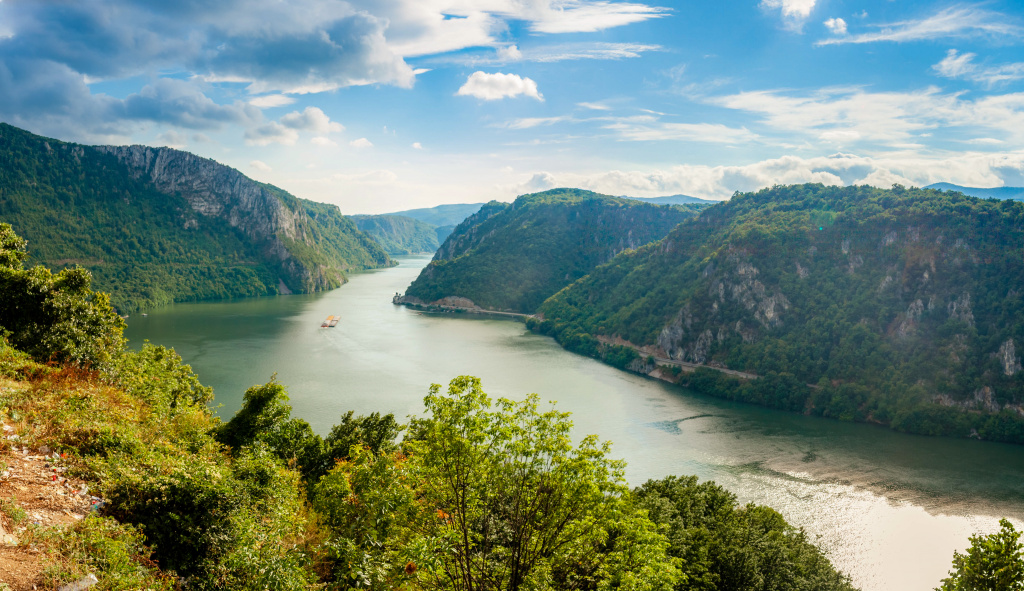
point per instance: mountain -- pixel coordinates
(899, 307)
(157, 225)
(442, 215)
(510, 257)
(672, 200)
(399, 234)
(1016, 193)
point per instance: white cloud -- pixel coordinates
(426, 27)
(800, 9)
(961, 65)
(719, 182)
(887, 118)
(417, 146)
(794, 12)
(594, 106)
(260, 166)
(509, 53)
(361, 143)
(836, 25)
(271, 133)
(172, 139)
(271, 100)
(530, 122)
(955, 21)
(311, 119)
(713, 133)
(323, 141)
(498, 86)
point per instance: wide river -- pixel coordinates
(888, 508)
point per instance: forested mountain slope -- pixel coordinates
(156, 225)
(511, 257)
(902, 306)
(399, 234)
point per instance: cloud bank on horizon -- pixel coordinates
(382, 105)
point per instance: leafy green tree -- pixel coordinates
(375, 431)
(722, 546)
(54, 317)
(520, 507)
(992, 563)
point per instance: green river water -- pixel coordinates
(889, 508)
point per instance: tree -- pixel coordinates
(54, 317)
(992, 563)
(520, 507)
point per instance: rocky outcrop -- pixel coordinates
(279, 223)
(960, 309)
(212, 189)
(680, 340)
(1007, 355)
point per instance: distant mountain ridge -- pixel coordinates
(672, 200)
(158, 225)
(399, 234)
(441, 215)
(510, 257)
(901, 307)
(1015, 193)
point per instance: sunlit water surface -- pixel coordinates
(888, 508)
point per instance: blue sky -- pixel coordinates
(383, 105)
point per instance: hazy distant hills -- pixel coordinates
(415, 230)
(672, 200)
(156, 225)
(399, 234)
(902, 307)
(1015, 193)
(442, 215)
(512, 256)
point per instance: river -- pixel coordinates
(888, 508)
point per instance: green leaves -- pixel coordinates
(993, 563)
(523, 507)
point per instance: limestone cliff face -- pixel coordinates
(282, 225)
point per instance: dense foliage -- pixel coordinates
(722, 546)
(54, 317)
(480, 494)
(901, 306)
(79, 206)
(399, 234)
(513, 256)
(993, 563)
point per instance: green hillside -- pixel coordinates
(901, 307)
(146, 244)
(513, 256)
(399, 234)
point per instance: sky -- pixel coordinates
(385, 105)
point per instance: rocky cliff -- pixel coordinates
(274, 219)
(156, 225)
(510, 257)
(900, 307)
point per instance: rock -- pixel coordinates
(81, 584)
(1007, 354)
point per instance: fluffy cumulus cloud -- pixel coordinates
(952, 22)
(794, 12)
(361, 143)
(836, 25)
(719, 182)
(491, 87)
(311, 119)
(50, 53)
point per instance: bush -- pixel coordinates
(54, 317)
